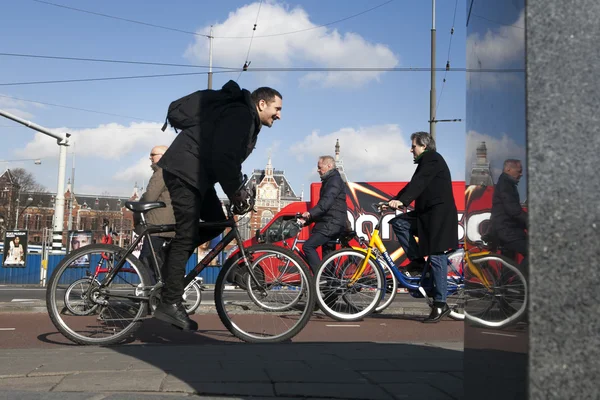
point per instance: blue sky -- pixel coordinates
(371, 113)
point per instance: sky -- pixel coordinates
(115, 123)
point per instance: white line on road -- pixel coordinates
(22, 289)
(23, 300)
(498, 334)
(7, 329)
(343, 326)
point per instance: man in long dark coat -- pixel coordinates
(434, 219)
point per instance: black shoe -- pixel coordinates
(414, 268)
(437, 313)
(176, 315)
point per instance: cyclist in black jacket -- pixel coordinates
(508, 221)
(330, 213)
(210, 152)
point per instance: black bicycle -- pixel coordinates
(120, 299)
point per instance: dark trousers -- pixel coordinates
(189, 207)
(310, 248)
(159, 245)
(517, 246)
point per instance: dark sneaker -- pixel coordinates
(437, 313)
(176, 315)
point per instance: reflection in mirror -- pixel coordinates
(495, 261)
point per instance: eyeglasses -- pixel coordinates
(155, 154)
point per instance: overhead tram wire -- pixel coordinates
(76, 108)
(104, 60)
(293, 69)
(107, 78)
(448, 58)
(247, 63)
(205, 35)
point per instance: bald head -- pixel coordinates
(156, 153)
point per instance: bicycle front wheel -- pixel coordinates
(85, 311)
(277, 301)
(391, 289)
(338, 278)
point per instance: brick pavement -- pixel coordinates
(357, 370)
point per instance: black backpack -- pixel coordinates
(187, 111)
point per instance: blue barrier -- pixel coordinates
(30, 274)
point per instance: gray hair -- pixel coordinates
(511, 163)
(424, 139)
(329, 160)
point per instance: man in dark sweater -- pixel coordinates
(205, 154)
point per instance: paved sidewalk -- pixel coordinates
(364, 370)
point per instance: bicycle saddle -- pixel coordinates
(145, 206)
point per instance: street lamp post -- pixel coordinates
(59, 206)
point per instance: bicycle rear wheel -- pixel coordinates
(192, 297)
(498, 296)
(113, 312)
(274, 307)
(334, 281)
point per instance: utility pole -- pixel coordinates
(59, 204)
(432, 96)
(71, 202)
(210, 46)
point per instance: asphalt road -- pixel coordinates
(27, 294)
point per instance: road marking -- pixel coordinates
(23, 300)
(4, 289)
(498, 334)
(343, 326)
(7, 329)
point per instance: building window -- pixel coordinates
(38, 222)
(265, 217)
(26, 219)
(49, 221)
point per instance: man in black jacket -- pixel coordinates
(434, 219)
(508, 221)
(330, 213)
(201, 156)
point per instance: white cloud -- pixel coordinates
(110, 141)
(498, 150)
(320, 46)
(374, 153)
(502, 48)
(18, 107)
(140, 172)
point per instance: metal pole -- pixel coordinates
(59, 205)
(17, 209)
(210, 49)
(432, 92)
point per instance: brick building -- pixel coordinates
(82, 212)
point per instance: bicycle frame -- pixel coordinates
(233, 234)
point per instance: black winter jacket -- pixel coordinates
(330, 213)
(508, 220)
(214, 150)
(431, 189)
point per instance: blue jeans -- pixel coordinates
(405, 228)
(439, 271)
